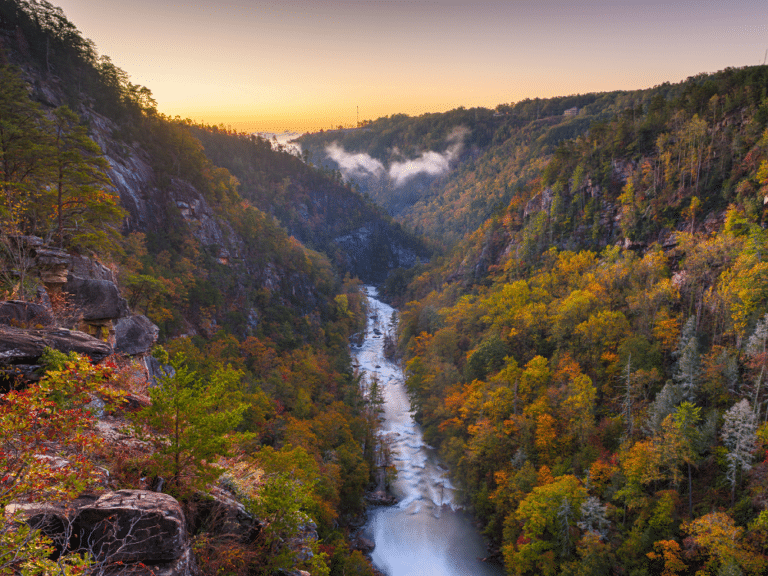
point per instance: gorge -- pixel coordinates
(426, 532)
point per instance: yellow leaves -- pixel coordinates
(724, 543)
(668, 551)
(744, 289)
(666, 329)
(640, 463)
(535, 378)
(580, 404)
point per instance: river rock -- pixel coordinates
(365, 545)
(380, 498)
(135, 335)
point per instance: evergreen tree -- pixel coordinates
(195, 420)
(688, 369)
(594, 517)
(82, 203)
(25, 150)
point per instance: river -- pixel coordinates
(426, 533)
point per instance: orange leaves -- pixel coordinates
(668, 552)
(666, 329)
(717, 535)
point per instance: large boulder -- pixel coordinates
(133, 526)
(135, 335)
(96, 299)
(224, 515)
(82, 267)
(128, 531)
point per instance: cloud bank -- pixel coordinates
(430, 163)
(354, 165)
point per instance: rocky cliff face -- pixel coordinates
(79, 309)
(372, 250)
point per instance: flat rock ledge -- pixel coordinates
(20, 346)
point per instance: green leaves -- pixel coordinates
(52, 175)
(190, 424)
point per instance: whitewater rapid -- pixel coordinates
(426, 533)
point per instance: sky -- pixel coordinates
(302, 65)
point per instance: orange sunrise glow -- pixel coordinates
(303, 66)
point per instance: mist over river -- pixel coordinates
(426, 533)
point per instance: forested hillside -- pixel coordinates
(314, 206)
(445, 174)
(254, 324)
(591, 360)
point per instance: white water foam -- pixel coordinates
(426, 533)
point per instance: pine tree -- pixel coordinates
(663, 405)
(81, 201)
(193, 421)
(688, 369)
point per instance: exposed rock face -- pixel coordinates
(135, 335)
(24, 314)
(134, 526)
(132, 531)
(228, 517)
(82, 267)
(96, 299)
(19, 346)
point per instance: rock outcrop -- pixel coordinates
(25, 314)
(128, 531)
(19, 346)
(96, 300)
(135, 335)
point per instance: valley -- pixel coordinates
(575, 382)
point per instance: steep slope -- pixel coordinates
(255, 324)
(445, 174)
(314, 206)
(590, 360)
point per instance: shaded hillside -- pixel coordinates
(314, 206)
(259, 402)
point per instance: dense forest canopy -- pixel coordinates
(254, 324)
(588, 352)
(590, 360)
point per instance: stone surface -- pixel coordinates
(96, 299)
(128, 531)
(82, 267)
(226, 516)
(18, 346)
(24, 314)
(134, 526)
(135, 335)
